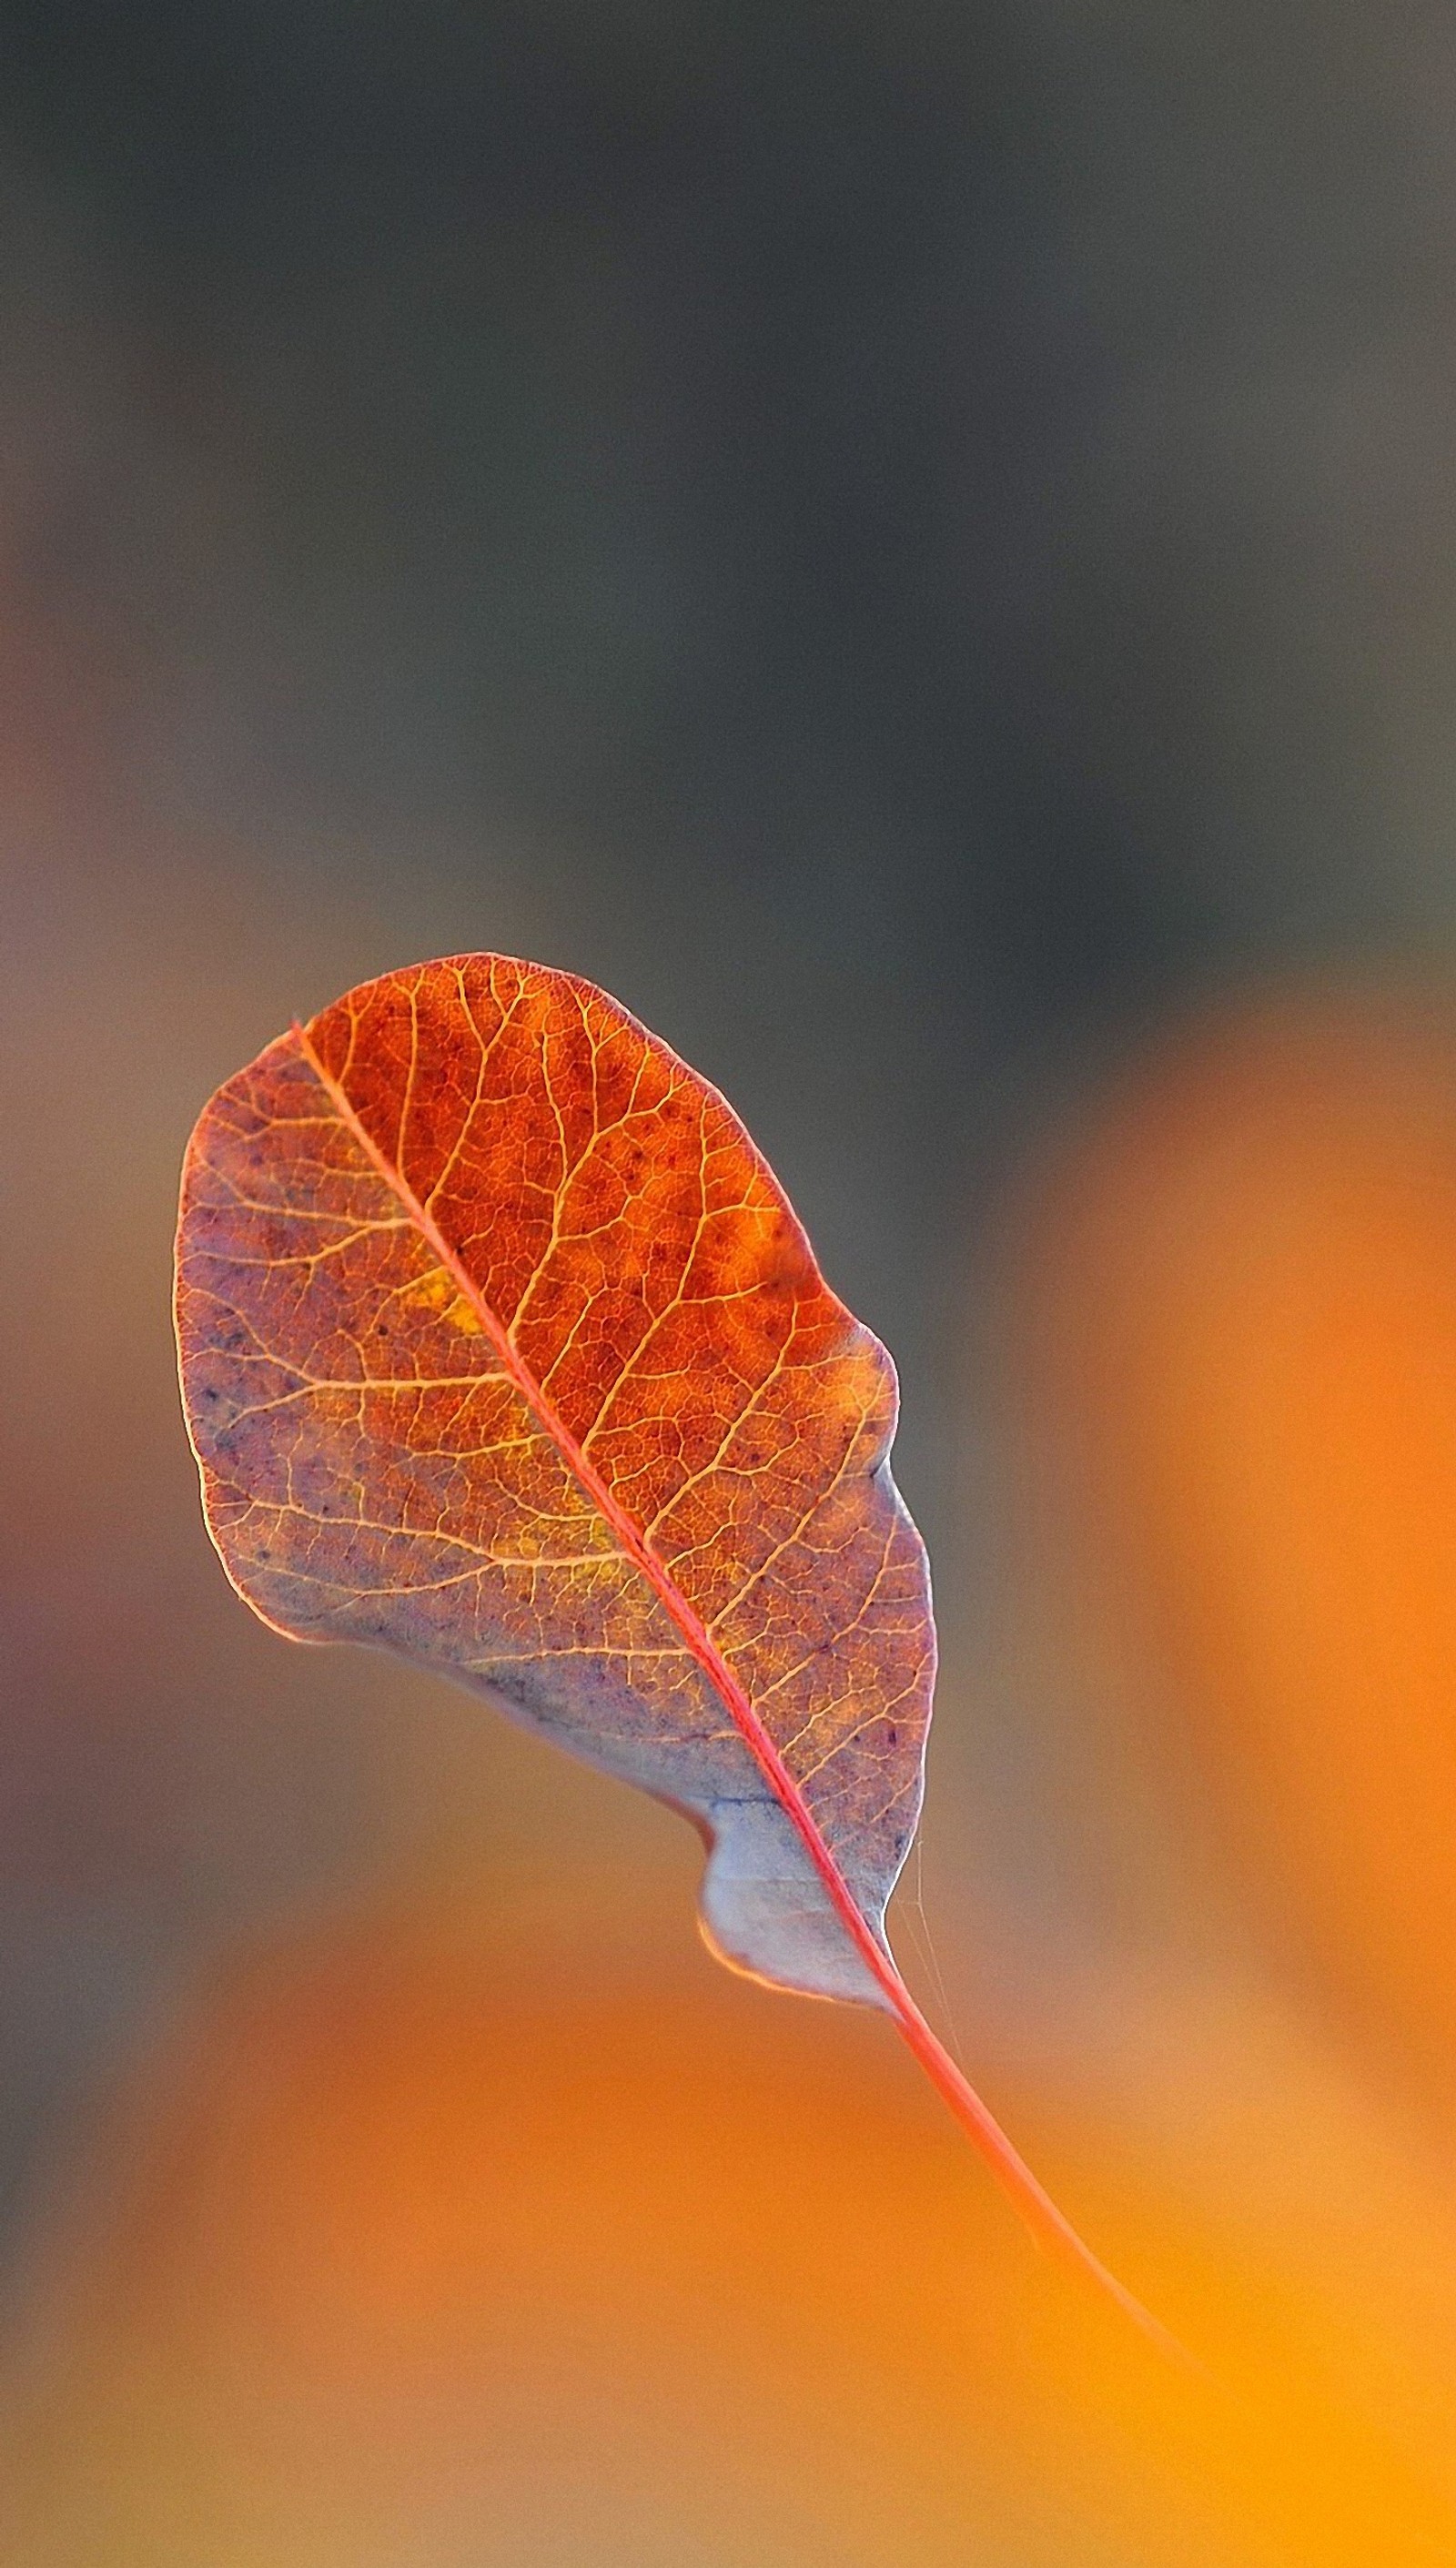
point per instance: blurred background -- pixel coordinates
(917, 544)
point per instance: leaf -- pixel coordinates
(503, 1349)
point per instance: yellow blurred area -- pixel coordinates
(420, 2252)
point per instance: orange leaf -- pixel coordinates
(503, 1349)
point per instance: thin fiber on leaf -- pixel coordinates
(503, 1349)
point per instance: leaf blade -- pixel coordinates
(741, 1407)
(658, 1468)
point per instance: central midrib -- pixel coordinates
(729, 1688)
(1046, 2222)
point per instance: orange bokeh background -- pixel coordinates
(1249, 1343)
(913, 545)
(480, 2215)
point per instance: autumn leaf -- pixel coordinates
(502, 1348)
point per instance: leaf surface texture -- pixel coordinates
(503, 1349)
